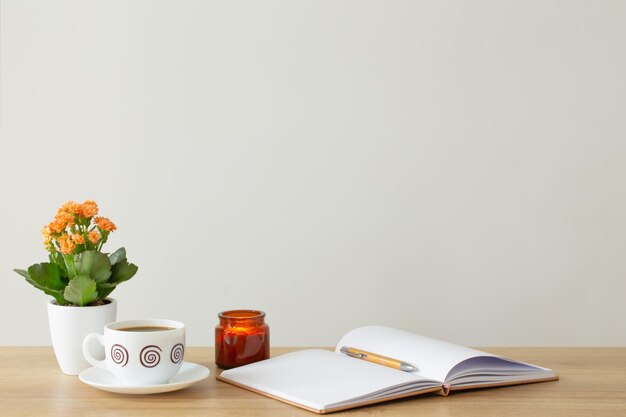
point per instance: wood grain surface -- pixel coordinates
(592, 383)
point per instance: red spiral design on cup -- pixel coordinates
(149, 356)
(119, 355)
(176, 355)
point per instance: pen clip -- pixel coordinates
(347, 351)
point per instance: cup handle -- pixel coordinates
(95, 362)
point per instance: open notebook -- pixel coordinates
(324, 381)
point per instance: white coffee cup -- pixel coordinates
(140, 352)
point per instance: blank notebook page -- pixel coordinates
(320, 378)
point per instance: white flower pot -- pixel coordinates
(69, 325)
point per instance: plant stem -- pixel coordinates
(71, 259)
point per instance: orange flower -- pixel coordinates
(71, 207)
(56, 226)
(78, 239)
(105, 224)
(66, 244)
(88, 209)
(94, 236)
(47, 235)
(65, 219)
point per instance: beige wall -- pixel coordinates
(452, 168)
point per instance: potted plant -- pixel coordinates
(80, 277)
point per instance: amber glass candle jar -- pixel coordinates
(241, 337)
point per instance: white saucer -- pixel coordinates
(189, 374)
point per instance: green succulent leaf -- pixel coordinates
(94, 264)
(47, 275)
(105, 288)
(81, 291)
(123, 271)
(57, 294)
(22, 272)
(117, 256)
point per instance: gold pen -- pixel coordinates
(379, 359)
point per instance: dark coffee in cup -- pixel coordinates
(146, 329)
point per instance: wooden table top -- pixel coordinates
(593, 383)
